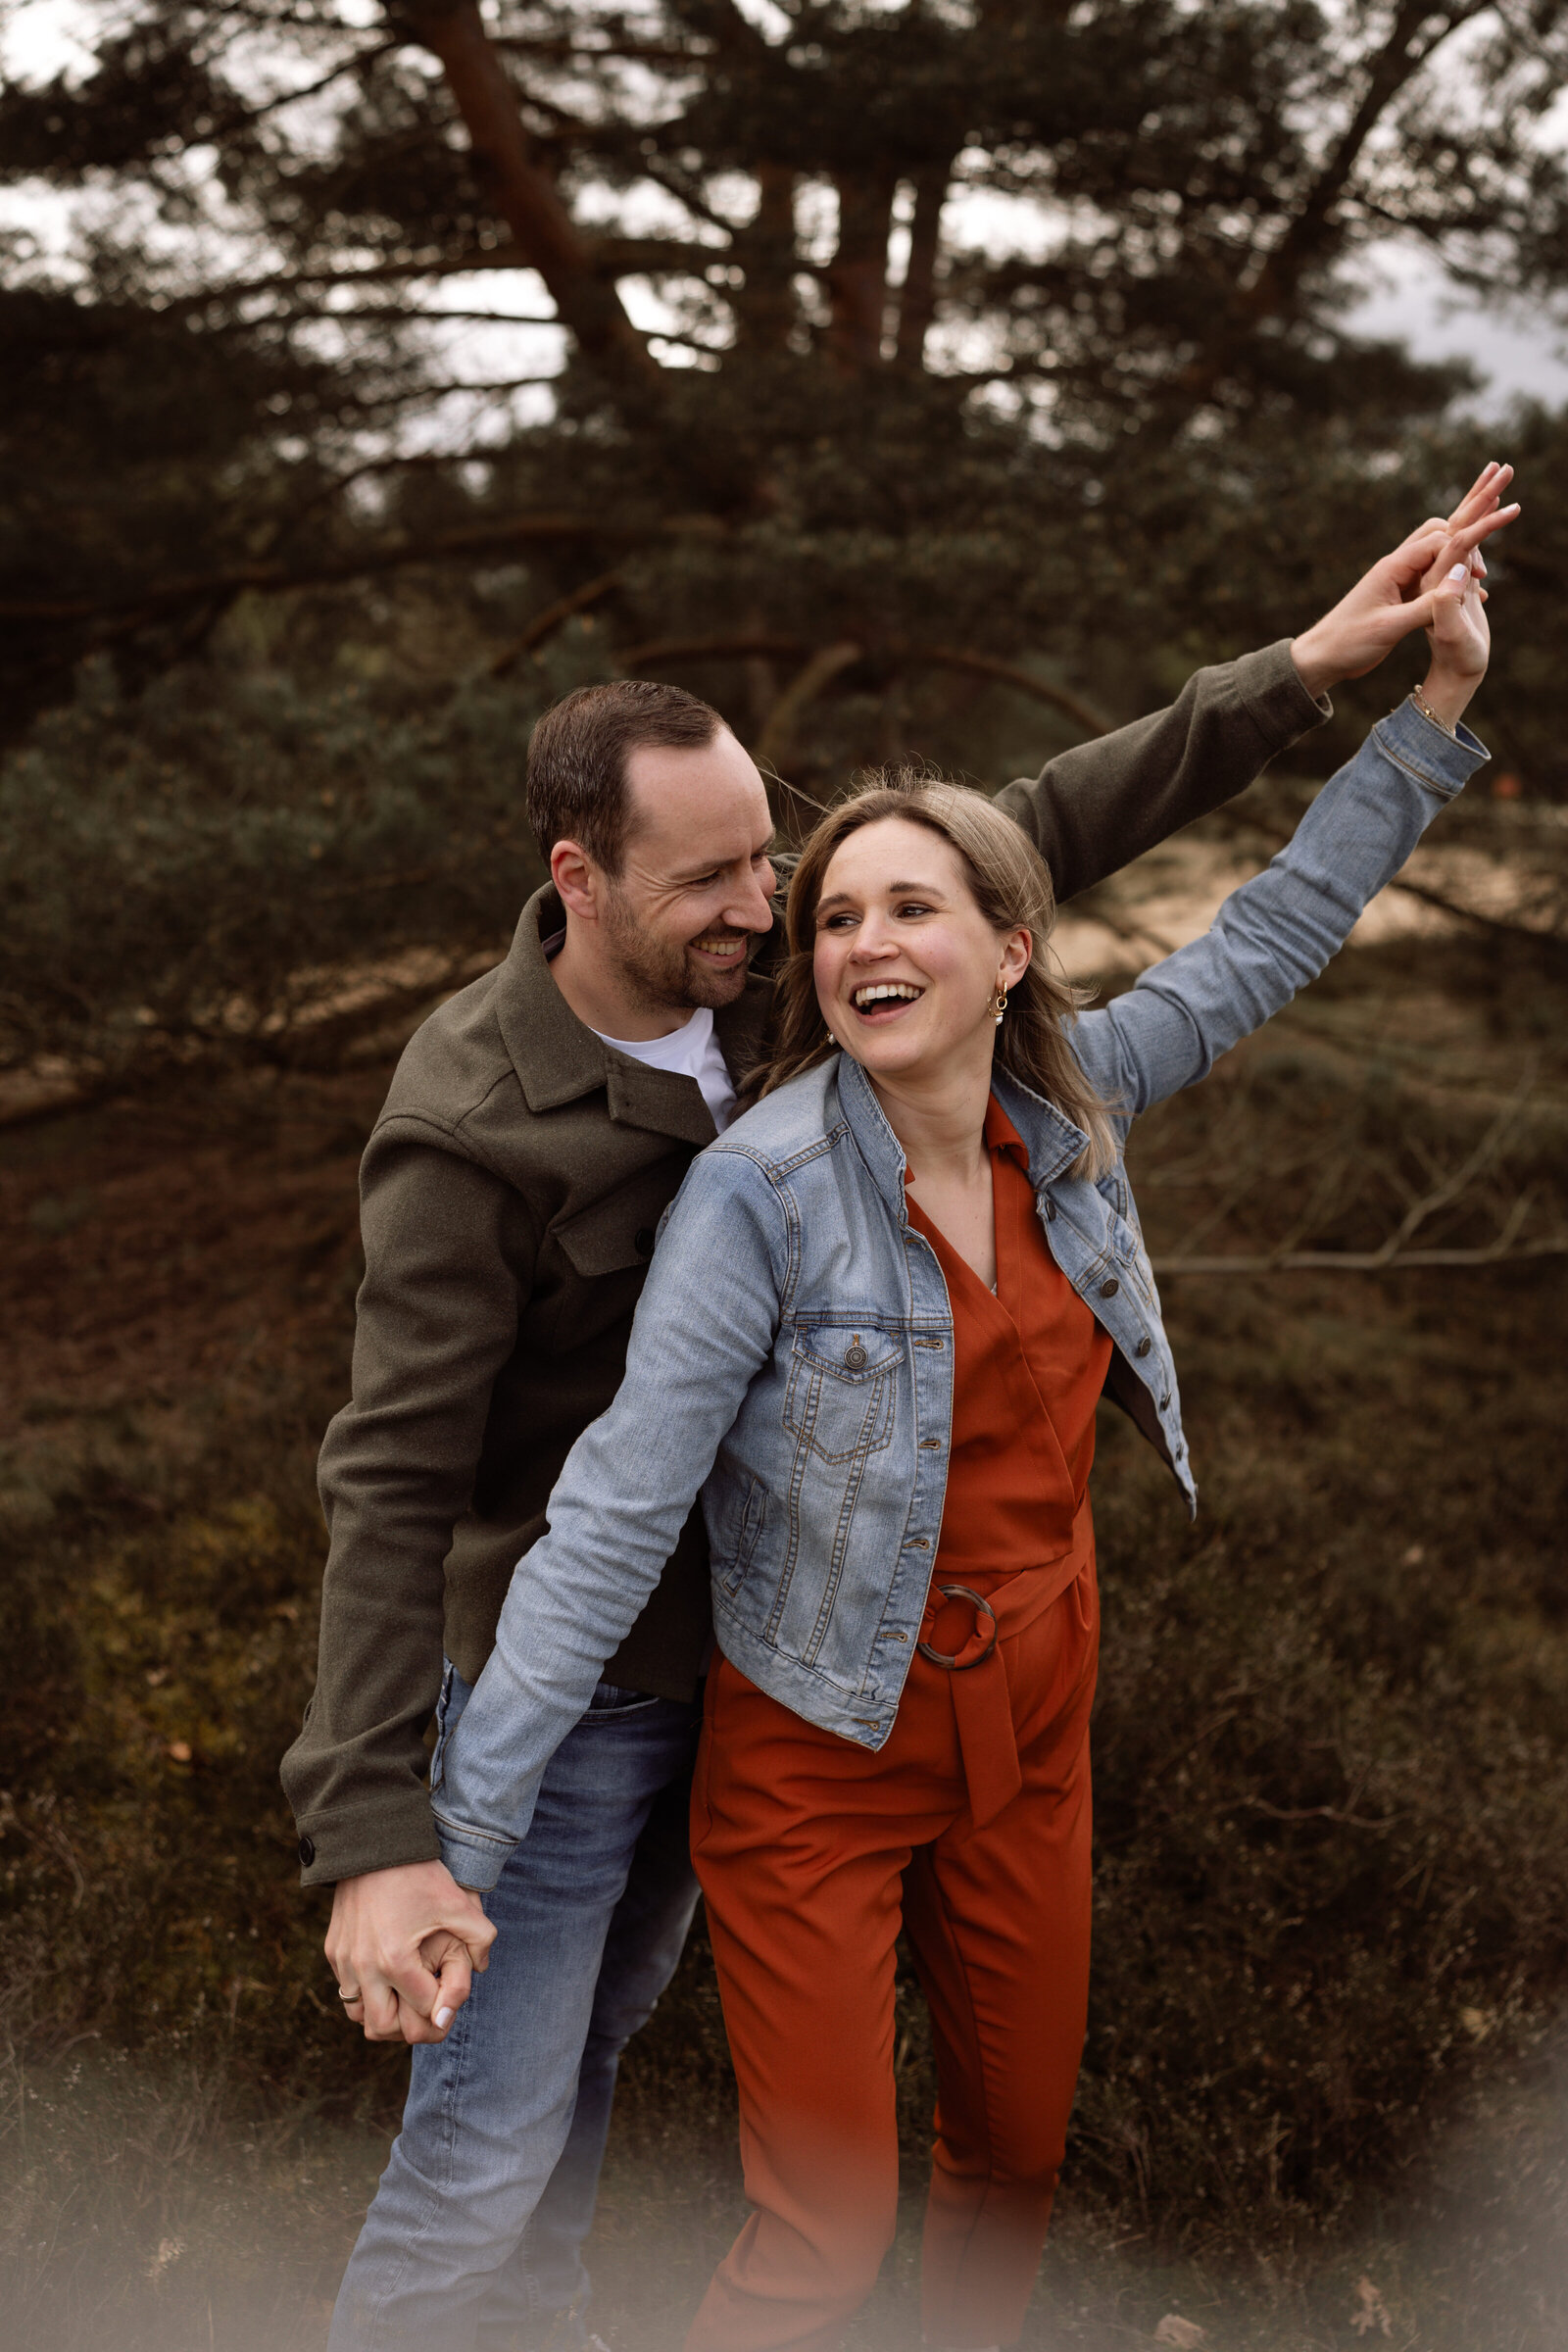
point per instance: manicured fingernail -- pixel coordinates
(444, 2016)
(1460, 571)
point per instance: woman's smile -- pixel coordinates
(882, 1001)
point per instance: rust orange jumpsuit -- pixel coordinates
(970, 1828)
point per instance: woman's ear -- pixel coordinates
(1016, 950)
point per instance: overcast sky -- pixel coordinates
(1407, 294)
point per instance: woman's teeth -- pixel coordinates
(883, 991)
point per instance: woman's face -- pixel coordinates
(906, 963)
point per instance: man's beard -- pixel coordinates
(659, 972)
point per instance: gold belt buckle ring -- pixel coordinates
(938, 1657)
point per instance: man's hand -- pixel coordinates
(1396, 595)
(379, 1921)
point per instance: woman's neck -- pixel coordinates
(939, 1119)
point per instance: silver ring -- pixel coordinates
(355, 1996)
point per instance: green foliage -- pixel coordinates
(1115, 412)
(214, 864)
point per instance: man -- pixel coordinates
(537, 1126)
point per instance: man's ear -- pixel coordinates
(579, 882)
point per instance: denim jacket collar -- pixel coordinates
(1054, 1141)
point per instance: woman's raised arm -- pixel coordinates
(1277, 931)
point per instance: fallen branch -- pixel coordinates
(1361, 1261)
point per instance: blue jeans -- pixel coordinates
(474, 2238)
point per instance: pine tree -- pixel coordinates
(865, 453)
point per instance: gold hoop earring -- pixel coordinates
(999, 1003)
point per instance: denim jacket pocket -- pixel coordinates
(842, 1385)
(730, 1572)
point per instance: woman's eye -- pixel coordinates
(911, 907)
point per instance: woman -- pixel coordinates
(877, 1322)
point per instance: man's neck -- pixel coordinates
(603, 1001)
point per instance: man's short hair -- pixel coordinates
(577, 788)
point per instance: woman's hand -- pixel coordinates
(1458, 634)
(1395, 597)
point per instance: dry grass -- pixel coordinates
(1332, 1760)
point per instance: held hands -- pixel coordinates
(1407, 590)
(404, 1944)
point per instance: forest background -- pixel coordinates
(943, 380)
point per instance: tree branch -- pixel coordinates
(523, 191)
(270, 579)
(551, 617)
(886, 650)
(778, 732)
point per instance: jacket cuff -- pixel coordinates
(1270, 685)
(345, 1843)
(474, 1859)
(1443, 762)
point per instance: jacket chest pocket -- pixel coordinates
(841, 1386)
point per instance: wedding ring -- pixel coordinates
(344, 1994)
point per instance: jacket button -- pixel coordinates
(1164, 1400)
(855, 1358)
(307, 1851)
(642, 1241)
(1108, 1290)
(1050, 1210)
(1144, 1345)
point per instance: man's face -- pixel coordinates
(695, 882)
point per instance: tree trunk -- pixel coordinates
(857, 275)
(918, 301)
(521, 189)
(764, 306)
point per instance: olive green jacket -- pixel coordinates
(510, 1193)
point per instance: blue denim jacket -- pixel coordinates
(792, 1354)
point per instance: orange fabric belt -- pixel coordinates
(961, 1635)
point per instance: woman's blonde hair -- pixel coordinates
(1010, 885)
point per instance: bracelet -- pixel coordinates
(1427, 711)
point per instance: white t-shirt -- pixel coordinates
(692, 1050)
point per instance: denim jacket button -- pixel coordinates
(1144, 1345)
(1108, 1290)
(855, 1358)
